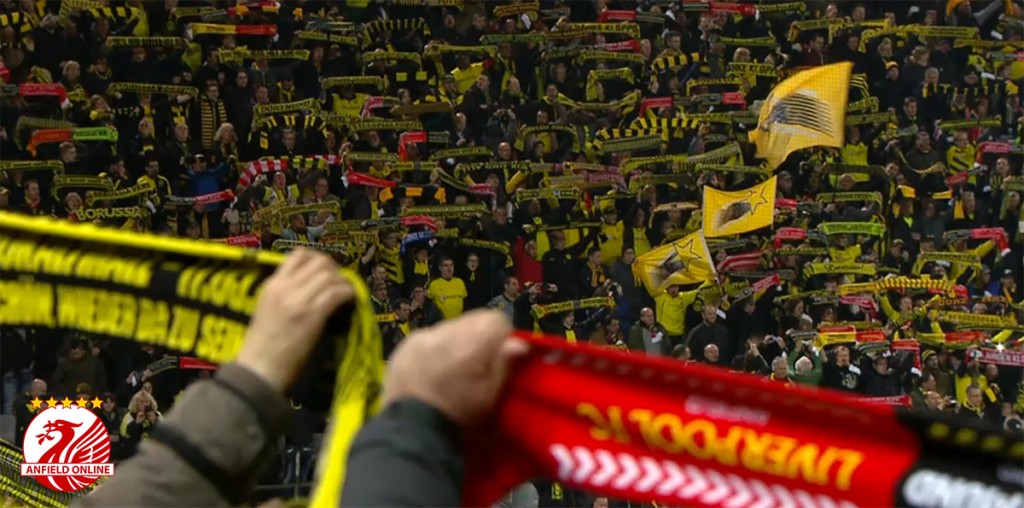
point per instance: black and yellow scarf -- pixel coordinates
(211, 116)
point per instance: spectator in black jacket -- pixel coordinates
(561, 262)
(879, 379)
(838, 373)
(710, 332)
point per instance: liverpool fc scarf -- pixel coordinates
(651, 429)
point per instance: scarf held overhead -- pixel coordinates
(191, 297)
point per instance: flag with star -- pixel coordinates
(732, 213)
(807, 109)
(684, 261)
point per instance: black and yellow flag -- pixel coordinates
(684, 261)
(806, 110)
(731, 213)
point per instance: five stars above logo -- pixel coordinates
(37, 403)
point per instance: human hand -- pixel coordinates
(140, 417)
(292, 310)
(457, 367)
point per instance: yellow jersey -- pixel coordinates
(671, 312)
(448, 295)
(611, 245)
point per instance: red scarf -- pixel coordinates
(642, 428)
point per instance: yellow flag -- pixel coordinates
(684, 261)
(732, 213)
(806, 110)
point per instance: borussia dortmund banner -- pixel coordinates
(733, 213)
(684, 261)
(808, 109)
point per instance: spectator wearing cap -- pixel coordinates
(898, 258)
(203, 180)
(890, 88)
(1008, 286)
(984, 284)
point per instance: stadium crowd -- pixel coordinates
(521, 155)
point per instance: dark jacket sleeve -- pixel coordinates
(407, 456)
(231, 420)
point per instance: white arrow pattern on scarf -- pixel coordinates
(652, 474)
(585, 464)
(585, 468)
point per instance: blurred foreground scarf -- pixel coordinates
(191, 297)
(648, 429)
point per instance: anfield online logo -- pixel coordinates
(66, 448)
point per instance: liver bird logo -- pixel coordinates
(72, 437)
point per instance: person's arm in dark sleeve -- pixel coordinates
(867, 245)
(583, 245)
(408, 456)
(590, 324)
(208, 451)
